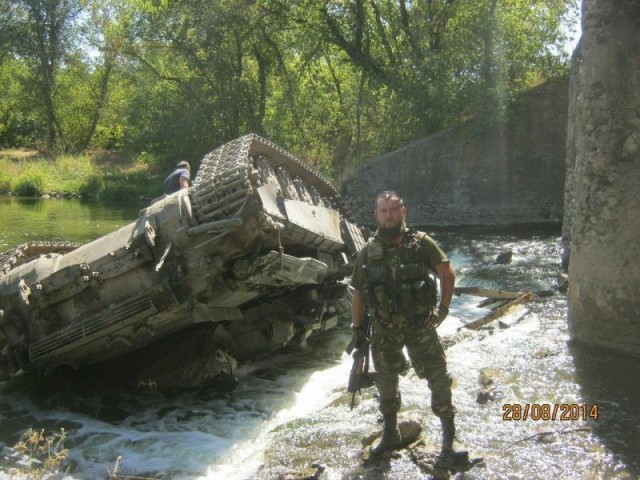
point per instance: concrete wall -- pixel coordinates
(570, 173)
(604, 270)
(510, 174)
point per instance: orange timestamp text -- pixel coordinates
(550, 411)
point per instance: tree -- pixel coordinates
(449, 57)
(334, 80)
(47, 34)
(7, 27)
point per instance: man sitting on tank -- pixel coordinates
(178, 179)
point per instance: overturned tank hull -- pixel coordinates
(248, 260)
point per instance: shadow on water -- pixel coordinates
(610, 380)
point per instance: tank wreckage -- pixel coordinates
(248, 260)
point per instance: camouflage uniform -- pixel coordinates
(400, 294)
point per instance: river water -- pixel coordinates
(27, 219)
(292, 411)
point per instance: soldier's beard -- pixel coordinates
(389, 233)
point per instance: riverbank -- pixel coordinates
(103, 175)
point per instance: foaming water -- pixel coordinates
(292, 410)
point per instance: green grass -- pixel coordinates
(102, 175)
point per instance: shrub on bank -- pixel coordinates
(30, 183)
(125, 186)
(85, 175)
(5, 182)
(69, 173)
(10, 169)
(91, 187)
(121, 193)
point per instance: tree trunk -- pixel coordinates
(102, 98)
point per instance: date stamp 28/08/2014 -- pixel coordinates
(550, 411)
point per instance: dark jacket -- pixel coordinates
(172, 182)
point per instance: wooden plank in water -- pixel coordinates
(499, 312)
(489, 302)
(486, 292)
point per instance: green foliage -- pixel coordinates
(108, 137)
(128, 186)
(43, 456)
(37, 175)
(336, 82)
(31, 183)
(9, 170)
(120, 193)
(76, 101)
(146, 158)
(91, 187)
(5, 183)
(20, 123)
(86, 175)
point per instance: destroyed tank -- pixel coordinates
(250, 259)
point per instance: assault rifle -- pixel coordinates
(359, 377)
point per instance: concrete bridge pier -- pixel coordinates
(604, 270)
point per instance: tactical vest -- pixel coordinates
(398, 286)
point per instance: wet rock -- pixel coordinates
(12, 428)
(544, 353)
(505, 258)
(460, 336)
(410, 431)
(112, 414)
(551, 437)
(562, 283)
(313, 472)
(427, 458)
(483, 396)
(488, 376)
(545, 293)
(369, 439)
(70, 466)
(489, 392)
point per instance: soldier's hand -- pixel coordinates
(436, 318)
(358, 337)
(443, 311)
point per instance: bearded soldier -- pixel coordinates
(393, 279)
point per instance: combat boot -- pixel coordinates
(390, 435)
(452, 451)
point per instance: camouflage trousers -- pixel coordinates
(427, 358)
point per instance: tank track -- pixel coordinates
(21, 253)
(231, 173)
